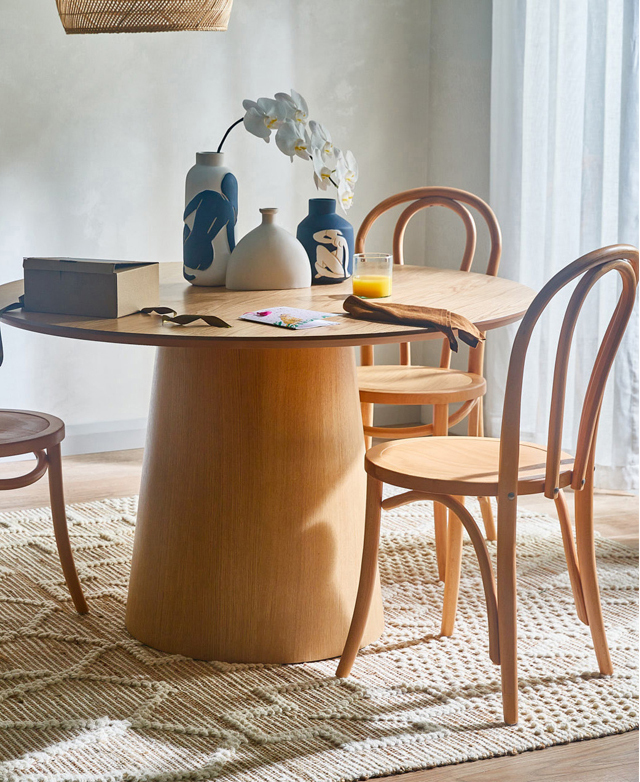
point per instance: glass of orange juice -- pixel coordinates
(372, 275)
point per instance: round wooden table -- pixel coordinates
(249, 532)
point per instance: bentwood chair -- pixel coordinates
(447, 469)
(441, 386)
(41, 434)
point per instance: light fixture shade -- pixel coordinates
(143, 16)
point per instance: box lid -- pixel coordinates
(84, 265)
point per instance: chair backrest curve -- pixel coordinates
(622, 259)
(420, 198)
(450, 197)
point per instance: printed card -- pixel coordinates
(291, 318)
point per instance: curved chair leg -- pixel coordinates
(59, 515)
(487, 518)
(589, 573)
(507, 606)
(366, 409)
(476, 429)
(367, 577)
(454, 563)
(484, 560)
(455, 505)
(570, 555)
(440, 429)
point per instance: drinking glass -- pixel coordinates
(372, 275)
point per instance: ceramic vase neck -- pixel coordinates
(269, 215)
(322, 206)
(210, 158)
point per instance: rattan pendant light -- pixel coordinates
(143, 16)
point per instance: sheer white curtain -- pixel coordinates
(564, 181)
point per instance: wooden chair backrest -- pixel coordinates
(420, 198)
(590, 268)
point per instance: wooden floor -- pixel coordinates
(611, 759)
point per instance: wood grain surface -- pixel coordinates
(418, 385)
(489, 302)
(250, 526)
(465, 466)
(609, 759)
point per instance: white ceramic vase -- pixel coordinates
(211, 211)
(268, 258)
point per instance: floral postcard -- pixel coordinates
(291, 318)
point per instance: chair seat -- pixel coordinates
(465, 466)
(22, 431)
(416, 385)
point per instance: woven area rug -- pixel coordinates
(81, 700)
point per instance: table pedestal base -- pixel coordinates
(249, 534)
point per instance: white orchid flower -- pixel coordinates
(347, 175)
(298, 105)
(321, 141)
(264, 115)
(347, 168)
(298, 136)
(345, 195)
(321, 173)
(292, 140)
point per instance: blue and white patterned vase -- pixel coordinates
(328, 239)
(210, 215)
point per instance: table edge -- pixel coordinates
(275, 342)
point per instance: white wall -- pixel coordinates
(459, 114)
(98, 132)
(458, 133)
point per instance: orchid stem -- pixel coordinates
(224, 138)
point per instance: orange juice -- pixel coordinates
(372, 286)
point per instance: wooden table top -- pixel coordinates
(489, 302)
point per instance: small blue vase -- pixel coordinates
(328, 240)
